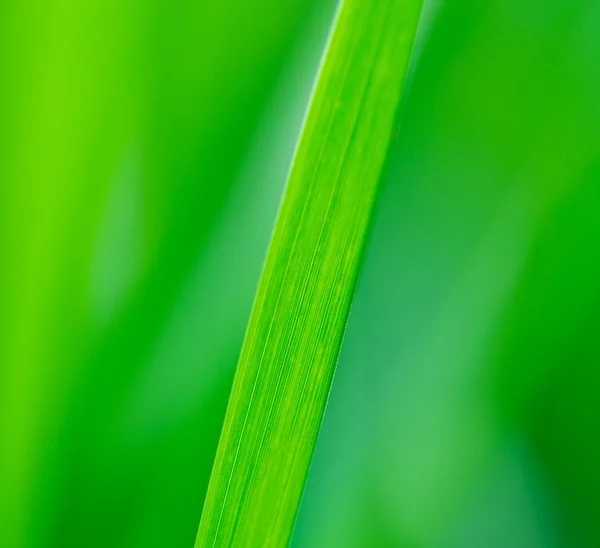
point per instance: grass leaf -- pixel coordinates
(295, 332)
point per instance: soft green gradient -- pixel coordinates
(125, 158)
(462, 414)
(143, 149)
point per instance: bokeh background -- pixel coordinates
(143, 151)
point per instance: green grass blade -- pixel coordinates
(295, 332)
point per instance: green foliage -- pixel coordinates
(299, 316)
(143, 151)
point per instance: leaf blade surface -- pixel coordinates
(295, 332)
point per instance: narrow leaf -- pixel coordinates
(295, 332)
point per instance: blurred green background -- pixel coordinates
(143, 151)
